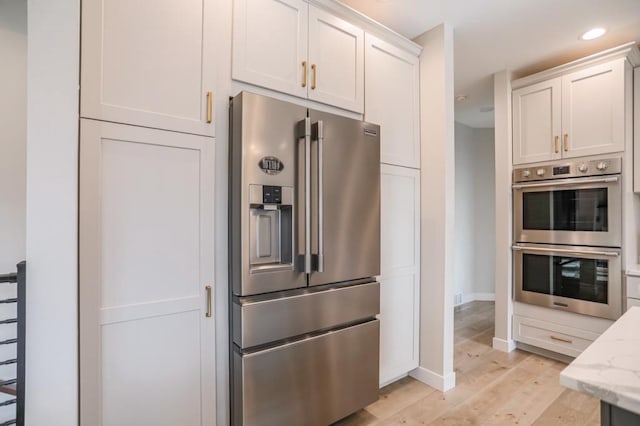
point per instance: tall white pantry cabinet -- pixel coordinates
(394, 104)
(147, 213)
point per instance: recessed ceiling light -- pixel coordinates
(461, 98)
(593, 33)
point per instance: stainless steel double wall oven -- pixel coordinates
(304, 252)
(568, 236)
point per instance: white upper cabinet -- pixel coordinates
(536, 122)
(392, 85)
(298, 49)
(593, 110)
(270, 44)
(336, 57)
(149, 63)
(573, 114)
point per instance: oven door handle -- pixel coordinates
(558, 250)
(609, 179)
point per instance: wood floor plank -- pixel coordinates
(492, 387)
(571, 408)
(398, 396)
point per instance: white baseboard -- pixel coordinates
(472, 297)
(437, 381)
(504, 345)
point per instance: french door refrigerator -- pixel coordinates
(304, 245)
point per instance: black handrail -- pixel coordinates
(22, 299)
(17, 384)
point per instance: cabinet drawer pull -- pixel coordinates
(208, 289)
(304, 73)
(565, 143)
(314, 72)
(560, 339)
(209, 107)
(555, 144)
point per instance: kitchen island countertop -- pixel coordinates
(609, 369)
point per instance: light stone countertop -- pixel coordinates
(609, 369)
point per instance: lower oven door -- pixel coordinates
(584, 280)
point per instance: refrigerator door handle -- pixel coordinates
(304, 131)
(318, 132)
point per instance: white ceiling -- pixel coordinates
(520, 35)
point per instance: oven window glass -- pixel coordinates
(566, 210)
(572, 277)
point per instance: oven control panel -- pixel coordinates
(574, 169)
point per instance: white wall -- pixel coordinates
(464, 216)
(437, 158)
(13, 132)
(474, 217)
(503, 208)
(475, 214)
(13, 147)
(52, 205)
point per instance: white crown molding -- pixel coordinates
(368, 24)
(629, 51)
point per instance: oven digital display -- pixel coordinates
(562, 170)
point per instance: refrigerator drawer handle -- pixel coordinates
(318, 132)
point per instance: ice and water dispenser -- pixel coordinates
(270, 227)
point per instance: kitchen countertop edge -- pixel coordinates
(609, 369)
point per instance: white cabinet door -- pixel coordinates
(146, 257)
(148, 63)
(270, 44)
(536, 122)
(336, 55)
(593, 110)
(392, 85)
(400, 271)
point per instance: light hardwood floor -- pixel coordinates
(493, 387)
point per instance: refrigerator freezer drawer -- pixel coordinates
(316, 381)
(265, 321)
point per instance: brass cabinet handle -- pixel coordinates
(560, 339)
(209, 107)
(565, 143)
(304, 73)
(314, 71)
(208, 289)
(555, 144)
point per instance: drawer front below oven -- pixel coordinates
(554, 337)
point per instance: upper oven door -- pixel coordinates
(581, 211)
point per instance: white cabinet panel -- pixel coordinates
(593, 110)
(146, 256)
(270, 44)
(148, 63)
(148, 371)
(398, 219)
(336, 55)
(392, 100)
(399, 322)
(146, 188)
(400, 271)
(298, 49)
(536, 122)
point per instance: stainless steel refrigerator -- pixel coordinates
(304, 242)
